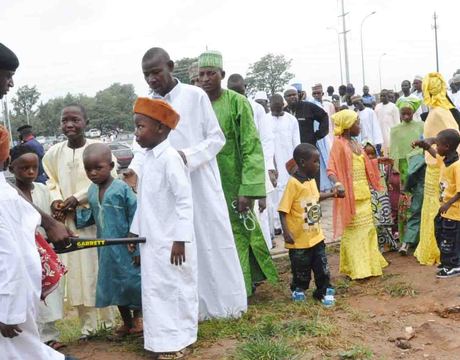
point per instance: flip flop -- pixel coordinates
(172, 355)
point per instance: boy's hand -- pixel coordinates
(59, 216)
(444, 207)
(56, 205)
(178, 253)
(9, 331)
(137, 260)
(288, 238)
(130, 177)
(340, 189)
(262, 204)
(421, 144)
(132, 248)
(70, 204)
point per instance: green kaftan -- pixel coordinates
(241, 165)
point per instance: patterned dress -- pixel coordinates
(359, 252)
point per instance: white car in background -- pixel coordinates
(93, 133)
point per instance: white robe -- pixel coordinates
(165, 214)
(287, 137)
(20, 282)
(53, 309)
(370, 128)
(221, 287)
(265, 131)
(388, 116)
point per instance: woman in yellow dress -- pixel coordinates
(351, 172)
(439, 118)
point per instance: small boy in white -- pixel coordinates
(164, 216)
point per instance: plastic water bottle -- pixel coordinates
(329, 299)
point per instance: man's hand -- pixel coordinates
(262, 204)
(288, 238)
(132, 248)
(182, 155)
(273, 175)
(56, 231)
(244, 204)
(178, 253)
(421, 144)
(130, 177)
(70, 204)
(9, 331)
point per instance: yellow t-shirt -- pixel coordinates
(300, 202)
(449, 186)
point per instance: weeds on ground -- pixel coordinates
(263, 348)
(400, 289)
(357, 352)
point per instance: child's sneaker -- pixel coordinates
(298, 295)
(329, 299)
(447, 273)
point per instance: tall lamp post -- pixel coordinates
(340, 51)
(362, 47)
(380, 69)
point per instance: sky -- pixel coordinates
(82, 46)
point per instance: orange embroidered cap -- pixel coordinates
(158, 110)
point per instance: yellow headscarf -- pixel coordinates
(343, 120)
(435, 91)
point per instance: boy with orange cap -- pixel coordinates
(164, 216)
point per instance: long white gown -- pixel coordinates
(165, 214)
(370, 128)
(287, 137)
(388, 116)
(221, 287)
(20, 280)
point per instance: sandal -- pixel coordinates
(138, 326)
(172, 355)
(55, 345)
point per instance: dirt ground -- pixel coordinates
(370, 314)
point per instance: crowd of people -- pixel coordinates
(215, 177)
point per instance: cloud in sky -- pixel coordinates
(83, 46)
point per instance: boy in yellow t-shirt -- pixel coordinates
(300, 215)
(447, 222)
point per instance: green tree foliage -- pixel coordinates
(181, 69)
(23, 105)
(111, 108)
(269, 74)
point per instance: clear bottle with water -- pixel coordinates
(329, 299)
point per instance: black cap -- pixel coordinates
(24, 127)
(8, 59)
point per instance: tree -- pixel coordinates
(113, 108)
(25, 99)
(181, 69)
(269, 74)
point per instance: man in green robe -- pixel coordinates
(241, 165)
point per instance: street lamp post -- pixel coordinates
(380, 69)
(340, 51)
(362, 47)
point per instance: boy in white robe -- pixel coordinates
(370, 128)
(164, 216)
(388, 116)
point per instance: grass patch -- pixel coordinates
(357, 352)
(262, 348)
(400, 289)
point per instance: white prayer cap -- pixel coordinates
(290, 87)
(260, 95)
(418, 77)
